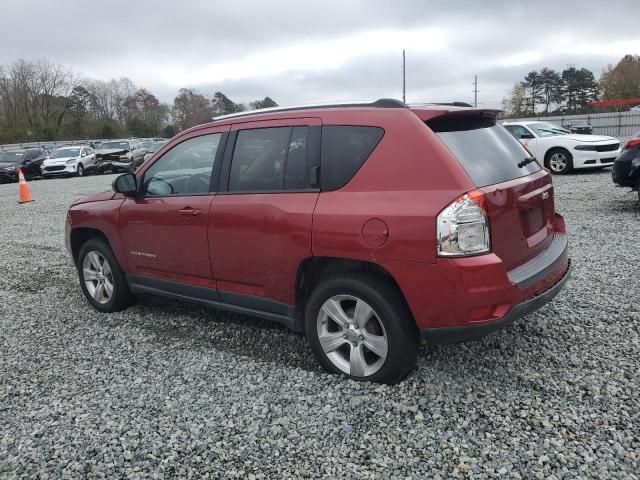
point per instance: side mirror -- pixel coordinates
(125, 184)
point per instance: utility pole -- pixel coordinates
(475, 91)
(404, 78)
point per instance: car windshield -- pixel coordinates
(114, 145)
(578, 123)
(547, 129)
(65, 153)
(11, 157)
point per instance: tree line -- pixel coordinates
(550, 92)
(41, 100)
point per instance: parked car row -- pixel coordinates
(96, 156)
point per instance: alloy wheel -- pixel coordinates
(97, 276)
(352, 335)
(558, 162)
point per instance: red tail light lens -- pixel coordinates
(463, 226)
(633, 142)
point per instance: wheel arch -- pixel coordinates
(79, 236)
(550, 150)
(313, 269)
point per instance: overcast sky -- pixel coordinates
(309, 51)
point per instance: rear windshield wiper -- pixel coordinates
(526, 161)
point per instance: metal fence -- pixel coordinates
(618, 124)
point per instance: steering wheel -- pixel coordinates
(198, 183)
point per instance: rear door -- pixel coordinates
(164, 228)
(260, 227)
(519, 195)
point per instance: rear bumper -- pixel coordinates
(446, 335)
(457, 299)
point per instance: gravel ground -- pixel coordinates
(168, 390)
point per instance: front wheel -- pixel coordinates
(359, 326)
(559, 161)
(80, 170)
(102, 279)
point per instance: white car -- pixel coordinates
(560, 150)
(72, 160)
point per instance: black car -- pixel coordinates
(579, 126)
(626, 167)
(28, 160)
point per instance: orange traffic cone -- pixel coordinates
(25, 194)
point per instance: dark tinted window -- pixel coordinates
(344, 150)
(485, 149)
(295, 175)
(32, 154)
(258, 159)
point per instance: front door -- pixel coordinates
(164, 228)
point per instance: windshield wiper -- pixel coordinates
(526, 161)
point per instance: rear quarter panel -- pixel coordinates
(407, 180)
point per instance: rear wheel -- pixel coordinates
(559, 161)
(102, 279)
(359, 326)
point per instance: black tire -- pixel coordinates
(121, 297)
(80, 170)
(550, 164)
(389, 306)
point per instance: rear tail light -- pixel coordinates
(633, 142)
(463, 227)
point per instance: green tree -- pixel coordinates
(223, 105)
(515, 105)
(551, 87)
(190, 108)
(266, 102)
(623, 80)
(533, 91)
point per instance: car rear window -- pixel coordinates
(484, 148)
(344, 150)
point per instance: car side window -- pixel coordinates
(186, 169)
(518, 131)
(258, 159)
(296, 167)
(344, 151)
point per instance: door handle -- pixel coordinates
(190, 212)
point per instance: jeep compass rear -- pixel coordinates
(367, 226)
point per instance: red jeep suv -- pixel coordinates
(369, 227)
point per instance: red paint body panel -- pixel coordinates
(161, 242)
(258, 241)
(99, 215)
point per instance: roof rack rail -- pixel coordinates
(380, 103)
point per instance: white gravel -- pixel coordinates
(169, 390)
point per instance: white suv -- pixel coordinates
(72, 160)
